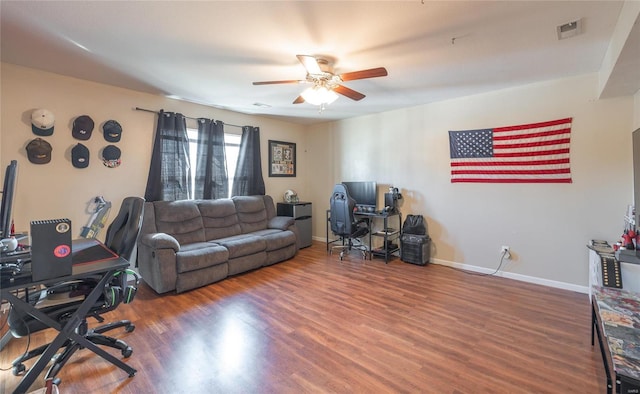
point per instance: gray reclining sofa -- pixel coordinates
(191, 243)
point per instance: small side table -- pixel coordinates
(301, 213)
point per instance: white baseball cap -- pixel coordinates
(42, 121)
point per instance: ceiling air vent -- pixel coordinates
(569, 29)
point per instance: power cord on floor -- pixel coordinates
(502, 258)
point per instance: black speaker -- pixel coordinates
(415, 249)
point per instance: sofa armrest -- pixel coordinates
(281, 222)
(160, 241)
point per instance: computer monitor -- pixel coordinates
(365, 193)
(8, 192)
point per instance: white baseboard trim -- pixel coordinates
(510, 275)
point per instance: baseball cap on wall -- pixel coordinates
(112, 131)
(111, 156)
(39, 151)
(42, 121)
(80, 156)
(82, 127)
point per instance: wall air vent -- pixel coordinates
(569, 29)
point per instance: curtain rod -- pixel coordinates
(188, 117)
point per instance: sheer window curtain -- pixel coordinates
(169, 172)
(248, 179)
(211, 179)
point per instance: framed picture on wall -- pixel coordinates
(282, 158)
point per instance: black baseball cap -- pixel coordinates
(39, 151)
(111, 156)
(112, 131)
(80, 156)
(82, 127)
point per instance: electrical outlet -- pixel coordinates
(505, 252)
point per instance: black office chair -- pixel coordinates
(123, 232)
(61, 300)
(344, 224)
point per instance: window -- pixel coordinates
(231, 147)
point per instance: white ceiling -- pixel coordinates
(211, 52)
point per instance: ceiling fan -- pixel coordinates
(325, 82)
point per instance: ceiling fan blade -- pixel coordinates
(362, 74)
(276, 82)
(352, 94)
(310, 64)
(298, 100)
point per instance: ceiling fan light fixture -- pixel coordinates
(319, 95)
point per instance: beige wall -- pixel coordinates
(58, 190)
(546, 225)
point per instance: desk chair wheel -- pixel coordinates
(18, 369)
(127, 352)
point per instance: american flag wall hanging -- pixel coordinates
(531, 153)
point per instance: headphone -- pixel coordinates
(115, 294)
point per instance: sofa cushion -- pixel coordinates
(200, 255)
(252, 213)
(246, 263)
(242, 245)
(219, 218)
(275, 256)
(180, 219)
(269, 206)
(276, 239)
(192, 279)
(160, 241)
(281, 223)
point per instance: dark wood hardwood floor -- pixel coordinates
(315, 324)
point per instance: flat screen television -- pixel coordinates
(365, 193)
(8, 192)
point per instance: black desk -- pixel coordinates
(103, 265)
(370, 217)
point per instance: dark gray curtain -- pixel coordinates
(248, 179)
(169, 173)
(211, 180)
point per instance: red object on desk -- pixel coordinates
(91, 251)
(627, 240)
